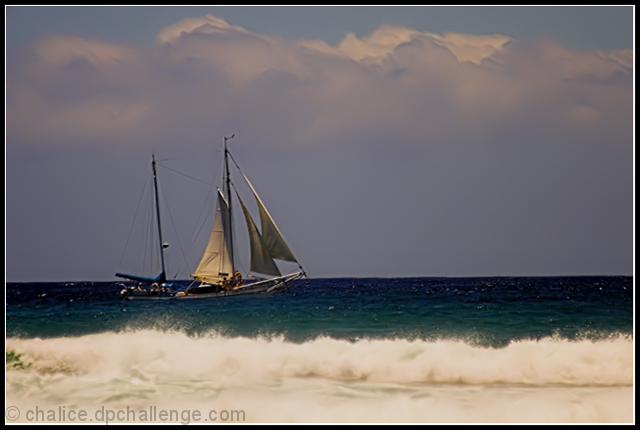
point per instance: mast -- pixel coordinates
(155, 187)
(228, 182)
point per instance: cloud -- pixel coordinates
(384, 40)
(410, 153)
(396, 77)
(209, 24)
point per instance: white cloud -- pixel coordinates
(383, 41)
(208, 24)
(442, 86)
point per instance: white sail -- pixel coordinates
(217, 261)
(261, 261)
(274, 241)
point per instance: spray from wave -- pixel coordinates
(174, 354)
(329, 379)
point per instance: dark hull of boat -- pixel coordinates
(208, 291)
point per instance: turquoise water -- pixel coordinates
(484, 311)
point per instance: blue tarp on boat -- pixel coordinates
(159, 279)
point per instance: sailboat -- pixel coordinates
(218, 274)
(151, 288)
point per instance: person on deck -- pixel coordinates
(155, 289)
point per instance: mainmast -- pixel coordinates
(163, 276)
(228, 183)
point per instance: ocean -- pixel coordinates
(401, 350)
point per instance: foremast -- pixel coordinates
(163, 276)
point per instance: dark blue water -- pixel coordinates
(481, 311)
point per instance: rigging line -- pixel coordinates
(234, 162)
(144, 189)
(175, 231)
(171, 159)
(148, 235)
(176, 275)
(240, 259)
(145, 232)
(186, 176)
(197, 231)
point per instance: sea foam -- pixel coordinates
(330, 380)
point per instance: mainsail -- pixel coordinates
(217, 261)
(274, 241)
(261, 261)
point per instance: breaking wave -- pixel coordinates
(569, 379)
(216, 357)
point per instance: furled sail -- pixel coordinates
(274, 241)
(261, 261)
(217, 261)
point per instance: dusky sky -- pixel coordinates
(385, 141)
